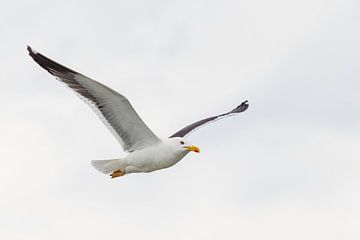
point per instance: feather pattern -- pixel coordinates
(196, 125)
(113, 108)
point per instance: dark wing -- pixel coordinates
(192, 127)
(114, 109)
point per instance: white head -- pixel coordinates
(182, 145)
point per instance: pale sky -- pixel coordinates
(288, 168)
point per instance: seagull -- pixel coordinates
(146, 151)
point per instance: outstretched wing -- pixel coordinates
(112, 108)
(192, 127)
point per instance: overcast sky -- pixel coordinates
(288, 168)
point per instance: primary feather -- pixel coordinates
(113, 108)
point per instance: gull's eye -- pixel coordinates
(182, 142)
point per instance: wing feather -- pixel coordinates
(113, 108)
(196, 125)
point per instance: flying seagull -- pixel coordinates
(146, 151)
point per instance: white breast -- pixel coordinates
(159, 156)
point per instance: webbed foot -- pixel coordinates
(117, 173)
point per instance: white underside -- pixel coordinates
(149, 159)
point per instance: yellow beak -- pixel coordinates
(193, 149)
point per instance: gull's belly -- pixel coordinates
(151, 159)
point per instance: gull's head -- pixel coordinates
(183, 145)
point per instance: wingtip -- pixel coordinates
(246, 102)
(244, 106)
(31, 50)
(241, 108)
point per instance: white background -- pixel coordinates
(288, 168)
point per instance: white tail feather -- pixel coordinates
(106, 166)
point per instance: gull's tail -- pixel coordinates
(107, 166)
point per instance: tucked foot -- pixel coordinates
(118, 173)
